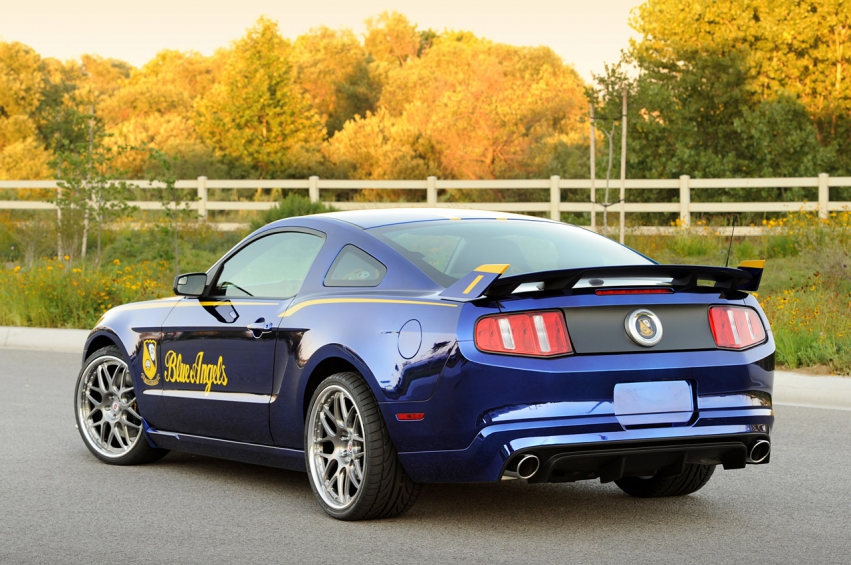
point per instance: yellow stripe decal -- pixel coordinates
(496, 269)
(307, 303)
(753, 264)
(473, 284)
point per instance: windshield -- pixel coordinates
(448, 250)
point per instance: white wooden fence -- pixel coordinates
(684, 205)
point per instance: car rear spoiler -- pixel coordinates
(486, 280)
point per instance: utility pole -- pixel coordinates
(593, 171)
(623, 165)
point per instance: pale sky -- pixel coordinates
(584, 33)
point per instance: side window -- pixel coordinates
(273, 266)
(354, 267)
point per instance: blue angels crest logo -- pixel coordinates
(150, 371)
(643, 327)
(646, 327)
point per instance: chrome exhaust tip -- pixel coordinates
(528, 466)
(759, 451)
(524, 468)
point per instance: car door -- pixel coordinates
(218, 350)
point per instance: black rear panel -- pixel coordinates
(600, 329)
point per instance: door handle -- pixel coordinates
(260, 327)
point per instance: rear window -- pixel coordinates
(355, 267)
(448, 250)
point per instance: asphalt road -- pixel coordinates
(58, 504)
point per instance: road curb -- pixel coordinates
(790, 388)
(43, 339)
(816, 392)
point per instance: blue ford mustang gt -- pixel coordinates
(382, 349)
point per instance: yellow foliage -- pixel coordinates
(20, 79)
(16, 128)
(391, 38)
(331, 66)
(25, 160)
(170, 83)
(467, 109)
(798, 48)
(255, 114)
(378, 146)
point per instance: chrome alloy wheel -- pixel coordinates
(336, 447)
(106, 407)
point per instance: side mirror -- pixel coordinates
(190, 284)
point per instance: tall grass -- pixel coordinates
(50, 294)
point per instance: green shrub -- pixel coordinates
(692, 245)
(745, 250)
(200, 245)
(783, 245)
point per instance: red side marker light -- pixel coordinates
(410, 416)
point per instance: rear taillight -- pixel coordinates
(539, 334)
(735, 327)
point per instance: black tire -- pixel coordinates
(106, 412)
(333, 446)
(692, 480)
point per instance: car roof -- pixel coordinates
(368, 219)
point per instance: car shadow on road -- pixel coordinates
(507, 507)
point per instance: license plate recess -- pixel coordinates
(653, 403)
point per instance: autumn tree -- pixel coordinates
(737, 88)
(72, 95)
(22, 153)
(154, 108)
(467, 108)
(255, 116)
(59, 118)
(391, 39)
(332, 67)
(381, 146)
(90, 193)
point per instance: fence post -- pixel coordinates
(431, 191)
(202, 198)
(313, 188)
(685, 201)
(555, 199)
(823, 196)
